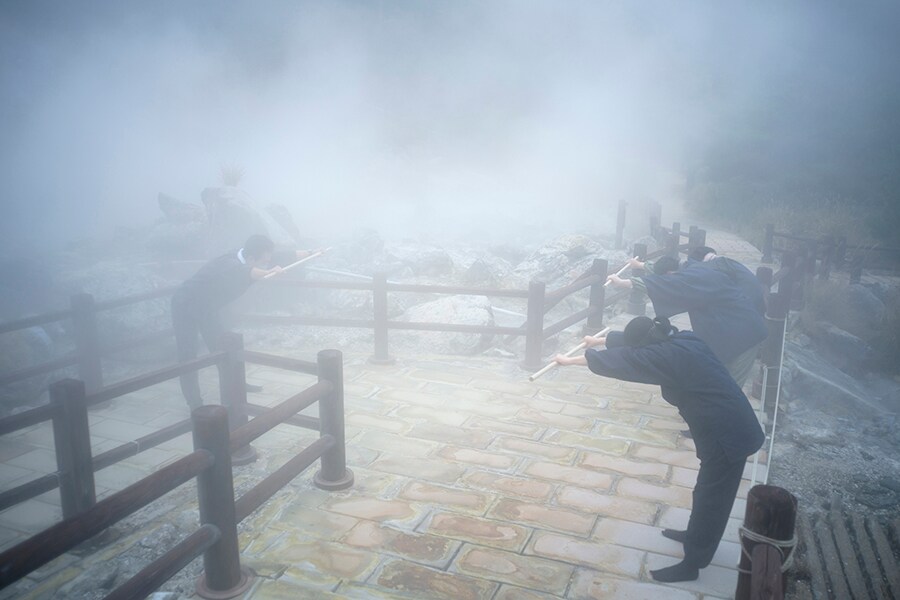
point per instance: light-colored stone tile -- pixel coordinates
(558, 421)
(634, 468)
(713, 580)
(607, 505)
(463, 500)
(567, 474)
(428, 469)
(667, 494)
(417, 581)
(590, 585)
(543, 517)
(447, 434)
(328, 559)
(666, 439)
(554, 452)
(588, 442)
(373, 509)
(426, 549)
(521, 430)
(490, 460)
(394, 444)
(635, 535)
(432, 415)
(311, 522)
(509, 486)
(507, 567)
(678, 458)
(601, 556)
(485, 532)
(509, 592)
(366, 421)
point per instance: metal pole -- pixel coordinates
(380, 309)
(334, 474)
(223, 576)
(534, 326)
(72, 439)
(87, 341)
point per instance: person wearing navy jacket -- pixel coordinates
(722, 422)
(723, 299)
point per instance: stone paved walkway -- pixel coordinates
(471, 482)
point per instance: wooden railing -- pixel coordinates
(210, 463)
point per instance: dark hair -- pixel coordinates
(664, 265)
(642, 331)
(700, 252)
(257, 246)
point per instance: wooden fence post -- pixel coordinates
(223, 575)
(620, 224)
(87, 341)
(534, 327)
(334, 474)
(233, 390)
(72, 439)
(771, 513)
(655, 218)
(380, 309)
(675, 240)
(769, 244)
(637, 304)
(594, 322)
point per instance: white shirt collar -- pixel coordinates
(240, 256)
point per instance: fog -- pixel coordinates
(413, 118)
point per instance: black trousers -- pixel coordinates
(714, 494)
(192, 322)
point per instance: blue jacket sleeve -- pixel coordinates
(689, 289)
(653, 364)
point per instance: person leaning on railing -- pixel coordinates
(197, 303)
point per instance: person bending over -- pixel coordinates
(721, 420)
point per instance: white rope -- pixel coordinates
(759, 414)
(777, 398)
(780, 545)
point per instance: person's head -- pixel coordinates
(258, 250)
(642, 331)
(665, 264)
(702, 253)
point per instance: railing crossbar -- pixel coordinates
(142, 381)
(302, 421)
(248, 432)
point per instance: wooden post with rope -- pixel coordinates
(768, 530)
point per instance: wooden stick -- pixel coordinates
(299, 262)
(571, 352)
(580, 346)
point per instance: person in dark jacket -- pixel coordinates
(722, 422)
(723, 299)
(197, 303)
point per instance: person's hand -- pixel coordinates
(275, 270)
(591, 341)
(562, 360)
(636, 264)
(618, 282)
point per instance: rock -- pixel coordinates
(486, 271)
(18, 350)
(844, 350)
(283, 217)
(866, 305)
(233, 217)
(564, 259)
(175, 239)
(178, 211)
(460, 310)
(422, 259)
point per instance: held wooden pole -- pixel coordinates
(571, 352)
(297, 263)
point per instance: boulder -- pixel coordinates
(459, 310)
(868, 308)
(489, 271)
(18, 350)
(178, 211)
(421, 259)
(234, 216)
(564, 259)
(842, 349)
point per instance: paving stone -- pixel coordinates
(432, 415)
(635, 535)
(452, 435)
(668, 494)
(367, 421)
(30, 517)
(590, 585)
(520, 390)
(479, 531)
(497, 426)
(641, 395)
(714, 580)
(673, 517)
(487, 408)
(525, 571)
(11, 475)
(419, 468)
(458, 394)
(679, 458)
(476, 502)
(395, 444)
(428, 549)
(596, 555)
(542, 516)
(635, 468)
(574, 398)
(509, 592)
(39, 460)
(555, 420)
(553, 452)
(513, 486)
(666, 411)
(373, 509)
(441, 375)
(607, 505)
(411, 396)
(311, 522)
(365, 591)
(646, 436)
(119, 476)
(288, 589)
(588, 442)
(574, 475)
(421, 582)
(490, 460)
(541, 403)
(666, 424)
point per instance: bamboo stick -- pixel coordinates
(299, 262)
